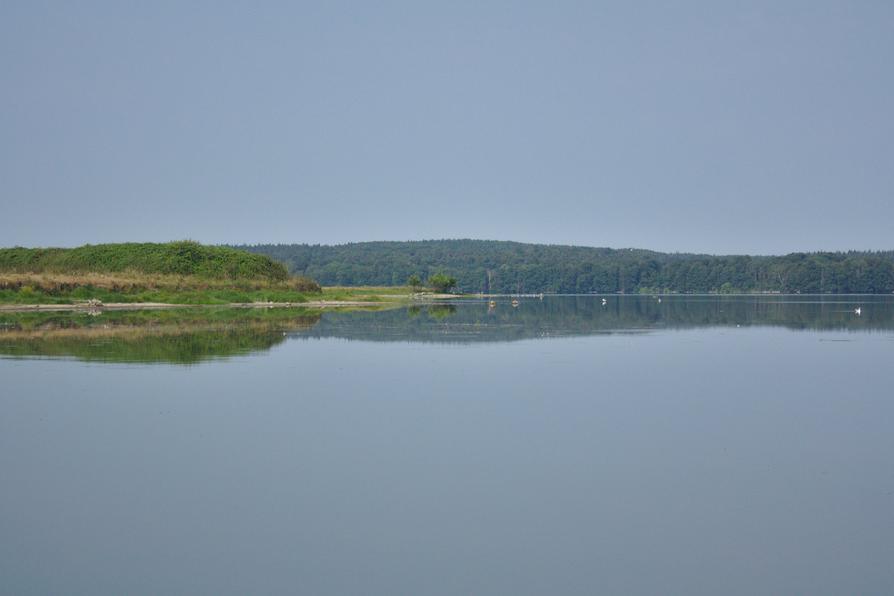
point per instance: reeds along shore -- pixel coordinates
(133, 286)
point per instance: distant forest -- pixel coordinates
(513, 267)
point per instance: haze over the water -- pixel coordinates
(765, 128)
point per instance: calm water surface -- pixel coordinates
(691, 446)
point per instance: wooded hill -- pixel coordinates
(513, 267)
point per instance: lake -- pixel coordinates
(693, 445)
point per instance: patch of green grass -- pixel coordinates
(367, 293)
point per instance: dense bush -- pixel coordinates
(178, 258)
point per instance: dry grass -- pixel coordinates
(132, 281)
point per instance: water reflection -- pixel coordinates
(558, 316)
(175, 337)
(193, 335)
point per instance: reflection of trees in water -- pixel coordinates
(178, 337)
(193, 335)
(585, 315)
(439, 312)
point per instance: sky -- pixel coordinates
(715, 127)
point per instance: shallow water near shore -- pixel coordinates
(693, 445)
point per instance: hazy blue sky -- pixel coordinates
(710, 127)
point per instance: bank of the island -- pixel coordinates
(157, 276)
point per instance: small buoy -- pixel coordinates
(515, 303)
(659, 300)
(858, 311)
(604, 302)
(492, 303)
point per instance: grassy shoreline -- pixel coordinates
(132, 290)
(165, 275)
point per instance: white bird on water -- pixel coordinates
(858, 311)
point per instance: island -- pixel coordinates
(169, 275)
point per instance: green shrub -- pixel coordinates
(178, 258)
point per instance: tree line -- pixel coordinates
(512, 267)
